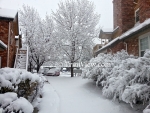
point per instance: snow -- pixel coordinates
(7, 98)
(7, 13)
(2, 43)
(21, 104)
(11, 79)
(76, 95)
(50, 100)
(127, 79)
(147, 109)
(16, 37)
(9, 101)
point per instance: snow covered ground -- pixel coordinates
(76, 95)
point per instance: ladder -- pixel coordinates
(21, 61)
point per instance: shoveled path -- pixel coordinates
(77, 95)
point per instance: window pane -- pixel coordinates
(144, 44)
(142, 53)
(137, 16)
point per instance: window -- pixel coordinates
(144, 43)
(137, 16)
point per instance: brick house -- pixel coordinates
(9, 37)
(131, 27)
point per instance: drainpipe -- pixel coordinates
(8, 46)
(110, 50)
(126, 46)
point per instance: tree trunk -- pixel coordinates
(38, 65)
(30, 67)
(71, 70)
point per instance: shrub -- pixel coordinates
(128, 78)
(26, 85)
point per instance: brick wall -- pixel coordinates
(128, 19)
(117, 13)
(4, 34)
(132, 46)
(144, 6)
(123, 14)
(117, 47)
(4, 28)
(124, 11)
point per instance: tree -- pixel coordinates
(38, 36)
(75, 26)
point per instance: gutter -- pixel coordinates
(133, 31)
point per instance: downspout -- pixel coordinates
(8, 46)
(110, 50)
(126, 46)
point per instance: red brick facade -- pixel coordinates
(7, 35)
(144, 7)
(123, 14)
(124, 17)
(131, 45)
(4, 29)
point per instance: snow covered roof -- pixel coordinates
(7, 13)
(2, 45)
(107, 30)
(127, 33)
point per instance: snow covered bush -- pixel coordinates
(132, 76)
(128, 78)
(100, 67)
(10, 103)
(93, 69)
(21, 82)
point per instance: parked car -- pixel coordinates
(64, 69)
(43, 71)
(53, 72)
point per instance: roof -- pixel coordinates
(127, 33)
(107, 34)
(2, 45)
(7, 13)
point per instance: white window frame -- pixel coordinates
(135, 15)
(141, 37)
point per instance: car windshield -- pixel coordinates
(52, 70)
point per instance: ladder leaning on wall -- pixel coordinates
(21, 60)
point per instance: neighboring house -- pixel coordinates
(131, 28)
(96, 48)
(10, 39)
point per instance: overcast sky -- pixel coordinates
(103, 7)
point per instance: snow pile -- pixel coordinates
(147, 109)
(128, 78)
(25, 85)
(11, 103)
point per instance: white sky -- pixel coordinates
(103, 7)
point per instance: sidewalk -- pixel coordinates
(50, 100)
